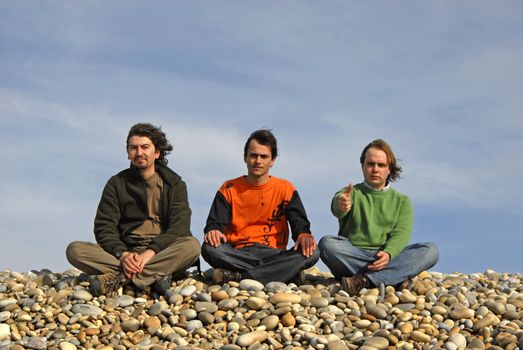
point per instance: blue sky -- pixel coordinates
(441, 81)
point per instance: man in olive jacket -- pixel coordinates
(142, 225)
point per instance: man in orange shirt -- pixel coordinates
(248, 225)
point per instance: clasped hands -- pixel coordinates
(133, 263)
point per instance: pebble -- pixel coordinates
(251, 337)
(5, 331)
(440, 311)
(251, 285)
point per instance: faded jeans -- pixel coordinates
(343, 259)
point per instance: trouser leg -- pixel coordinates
(177, 257)
(279, 265)
(413, 259)
(343, 259)
(226, 257)
(91, 258)
(259, 262)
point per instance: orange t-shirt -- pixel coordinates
(259, 214)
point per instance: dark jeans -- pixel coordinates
(259, 262)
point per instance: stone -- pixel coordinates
(379, 343)
(5, 331)
(277, 298)
(82, 295)
(270, 322)
(251, 285)
(200, 306)
(87, 310)
(249, 338)
(67, 346)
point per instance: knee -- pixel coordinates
(71, 252)
(328, 245)
(210, 253)
(432, 254)
(193, 245)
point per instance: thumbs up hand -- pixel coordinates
(344, 202)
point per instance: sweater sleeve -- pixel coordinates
(179, 218)
(297, 217)
(399, 237)
(219, 214)
(106, 220)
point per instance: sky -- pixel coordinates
(441, 81)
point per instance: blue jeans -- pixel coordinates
(259, 262)
(343, 259)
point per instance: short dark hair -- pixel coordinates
(263, 137)
(157, 137)
(394, 168)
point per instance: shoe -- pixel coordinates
(352, 285)
(403, 285)
(105, 284)
(299, 279)
(221, 276)
(163, 284)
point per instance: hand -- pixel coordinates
(130, 264)
(344, 202)
(383, 259)
(144, 257)
(307, 243)
(214, 238)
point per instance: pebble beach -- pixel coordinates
(48, 310)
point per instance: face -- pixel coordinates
(142, 153)
(375, 168)
(258, 160)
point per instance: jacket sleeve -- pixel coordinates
(219, 214)
(106, 220)
(297, 217)
(179, 218)
(399, 237)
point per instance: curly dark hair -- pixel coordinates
(395, 169)
(156, 135)
(263, 137)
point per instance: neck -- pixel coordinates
(258, 181)
(146, 173)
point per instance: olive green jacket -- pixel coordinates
(123, 207)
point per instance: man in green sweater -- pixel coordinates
(142, 225)
(375, 228)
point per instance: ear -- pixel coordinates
(156, 154)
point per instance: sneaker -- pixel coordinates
(354, 284)
(105, 284)
(163, 284)
(221, 276)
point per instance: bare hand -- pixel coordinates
(144, 257)
(383, 259)
(307, 243)
(214, 238)
(344, 202)
(130, 264)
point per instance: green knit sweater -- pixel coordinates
(378, 220)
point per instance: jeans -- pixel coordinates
(259, 262)
(343, 259)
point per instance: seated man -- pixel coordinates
(247, 229)
(375, 228)
(142, 222)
